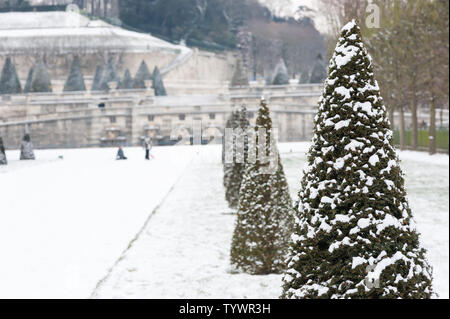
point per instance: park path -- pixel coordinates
(183, 252)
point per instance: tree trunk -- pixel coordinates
(414, 120)
(432, 132)
(402, 128)
(415, 128)
(391, 117)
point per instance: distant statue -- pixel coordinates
(239, 76)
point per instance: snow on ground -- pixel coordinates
(77, 227)
(184, 251)
(63, 222)
(187, 241)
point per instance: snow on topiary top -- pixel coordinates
(355, 236)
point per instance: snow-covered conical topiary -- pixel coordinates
(158, 84)
(231, 123)
(3, 160)
(126, 83)
(27, 88)
(236, 172)
(142, 75)
(239, 75)
(354, 234)
(264, 219)
(281, 74)
(9, 81)
(26, 149)
(40, 81)
(319, 72)
(227, 125)
(75, 80)
(96, 83)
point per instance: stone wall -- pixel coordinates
(76, 120)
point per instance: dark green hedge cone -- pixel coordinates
(26, 149)
(281, 74)
(354, 235)
(319, 72)
(3, 160)
(228, 167)
(126, 83)
(109, 75)
(264, 219)
(96, 83)
(9, 81)
(239, 75)
(141, 76)
(75, 80)
(227, 125)
(40, 81)
(304, 77)
(27, 88)
(236, 171)
(158, 84)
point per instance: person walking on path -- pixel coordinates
(120, 154)
(148, 147)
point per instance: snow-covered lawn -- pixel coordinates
(64, 222)
(76, 227)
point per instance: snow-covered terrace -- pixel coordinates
(68, 31)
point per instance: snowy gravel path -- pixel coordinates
(184, 252)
